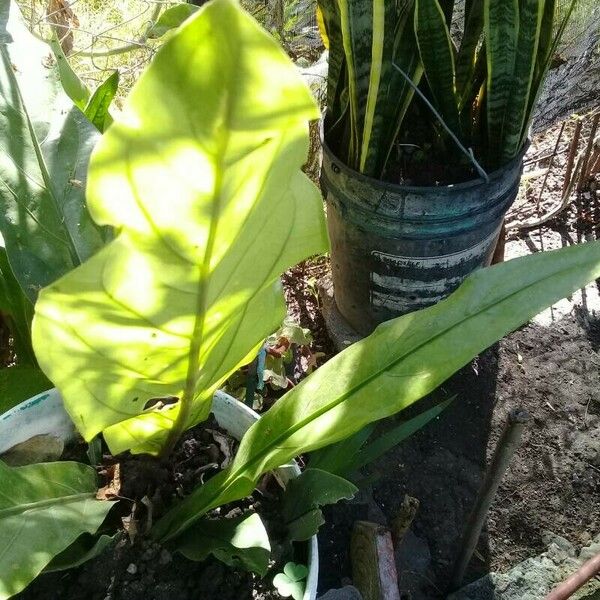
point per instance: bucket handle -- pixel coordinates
(468, 153)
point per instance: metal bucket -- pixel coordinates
(396, 249)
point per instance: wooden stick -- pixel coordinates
(571, 158)
(568, 587)
(373, 563)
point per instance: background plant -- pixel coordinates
(482, 86)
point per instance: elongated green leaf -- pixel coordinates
(548, 45)
(339, 458)
(530, 22)
(43, 509)
(202, 178)
(336, 61)
(403, 360)
(437, 55)
(390, 439)
(501, 24)
(389, 93)
(72, 85)
(348, 456)
(171, 18)
(96, 110)
(44, 149)
(467, 54)
(17, 311)
(240, 542)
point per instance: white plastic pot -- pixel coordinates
(44, 414)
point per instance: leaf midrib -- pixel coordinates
(43, 504)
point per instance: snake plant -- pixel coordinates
(409, 74)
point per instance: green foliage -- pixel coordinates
(484, 90)
(17, 312)
(44, 151)
(171, 18)
(305, 495)
(84, 548)
(17, 384)
(292, 581)
(356, 451)
(400, 362)
(240, 542)
(212, 207)
(96, 109)
(44, 509)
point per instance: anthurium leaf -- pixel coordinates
(238, 542)
(171, 18)
(400, 362)
(44, 150)
(303, 497)
(201, 176)
(96, 110)
(43, 509)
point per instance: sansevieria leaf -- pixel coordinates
(45, 143)
(400, 362)
(437, 54)
(501, 25)
(530, 21)
(43, 509)
(201, 177)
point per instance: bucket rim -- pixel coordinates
(423, 189)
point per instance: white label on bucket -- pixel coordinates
(402, 294)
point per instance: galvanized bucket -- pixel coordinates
(396, 249)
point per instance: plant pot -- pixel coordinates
(45, 414)
(396, 249)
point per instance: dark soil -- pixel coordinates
(553, 483)
(302, 298)
(136, 568)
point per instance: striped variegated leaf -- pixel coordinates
(530, 22)
(469, 46)
(437, 55)
(501, 24)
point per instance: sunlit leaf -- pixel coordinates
(201, 177)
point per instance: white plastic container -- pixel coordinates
(44, 414)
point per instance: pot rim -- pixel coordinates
(422, 189)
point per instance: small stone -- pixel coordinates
(165, 557)
(348, 592)
(132, 569)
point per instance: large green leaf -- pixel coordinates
(437, 54)
(43, 509)
(402, 360)
(202, 178)
(44, 149)
(469, 44)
